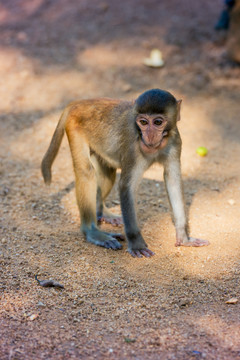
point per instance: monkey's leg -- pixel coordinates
(86, 191)
(137, 247)
(106, 177)
(173, 182)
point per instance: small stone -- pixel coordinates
(41, 304)
(22, 36)
(33, 317)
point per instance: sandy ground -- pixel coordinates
(173, 305)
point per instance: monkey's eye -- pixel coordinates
(143, 122)
(158, 122)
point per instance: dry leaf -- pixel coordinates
(232, 301)
(155, 59)
(128, 340)
(185, 302)
(49, 283)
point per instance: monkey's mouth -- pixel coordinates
(153, 148)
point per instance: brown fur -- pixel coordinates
(106, 134)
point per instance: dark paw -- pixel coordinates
(117, 236)
(103, 239)
(141, 253)
(110, 244)
(114, 245)
(109, 220)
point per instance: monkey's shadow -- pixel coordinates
(151, 198)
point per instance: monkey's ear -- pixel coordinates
(179, 102)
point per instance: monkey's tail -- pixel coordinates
(53, 148)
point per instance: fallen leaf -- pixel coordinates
(155, 59)
(49, 283)
(184, 302)
(232, 301)
(128, 340)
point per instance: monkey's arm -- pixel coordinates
(137, 247)
(174, 187)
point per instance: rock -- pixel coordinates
(33, 317)
(41, 304)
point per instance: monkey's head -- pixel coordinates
(157, 112)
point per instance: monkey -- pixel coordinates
(104, 135)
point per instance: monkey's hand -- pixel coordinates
(192, 242)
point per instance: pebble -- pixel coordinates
(33, 317)
(41, 304)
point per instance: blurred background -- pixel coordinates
(113, 306)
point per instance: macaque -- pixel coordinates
(106, 134)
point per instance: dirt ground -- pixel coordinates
(173, 305)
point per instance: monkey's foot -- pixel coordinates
(103, 239)
(114, 220)
(192, 242)
(117, 236)
(140, 253)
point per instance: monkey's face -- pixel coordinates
(153, 132)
